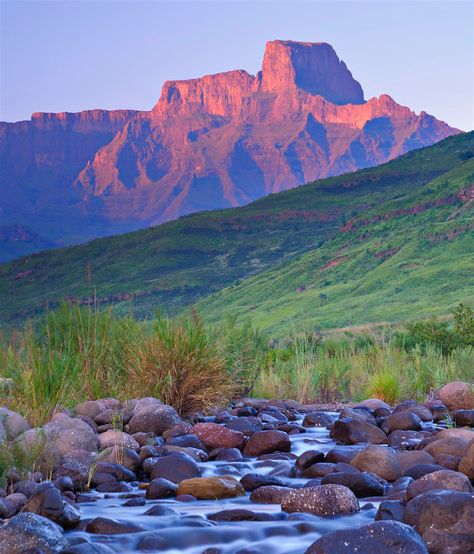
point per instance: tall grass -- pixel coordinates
(178, 363)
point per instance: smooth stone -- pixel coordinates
(439, 480)
(161, 488)
(267, 442)
(176, 467)
(211, 488)
(362, 485)
(214, 435)
(380, 460)
(325, 501)
(355, 431)
(106, 526)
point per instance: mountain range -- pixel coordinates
(218, 141)
(385, 243)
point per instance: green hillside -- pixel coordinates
(381, 264)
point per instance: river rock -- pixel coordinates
(120, 455)
(390, 510)
(374, 404)
(150, 415)
(252, 481)
(452, 446)
(380, 460)
(464, 418)
(318, 419)
(266, 442)
(161, 488)
(419, 470)
(326, 500)
(457, 395)
(49, 503)
(269, 494)
(113, 437)
(28, 531)
(466, 464)
(362, 485)
(309, 458)
(214, 435)
(176, 467)
(414, 407)
(444, 519)
(246, 425)
(318, 470)
(211, 488)
(106, 526)
(354, 431)
(343, 454)
(439, 480)
(410, 458)
(13, 423)
(377, 538)
(404, 421)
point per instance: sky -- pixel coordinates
(73, 55)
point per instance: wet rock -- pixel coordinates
(466, 464)
(160, 511)
(444, 519)
(419, 470)
(438, 480)
(343, 454)
(99, 478)
(195, 453)
(410, 458)
(88, 548)
(362, 485)
(49, 503)
(459, 433)
(269, 494)
(318, 419)
(135, 502)
(404, 438)
(150, 415)
(118, 486)
(245, 515)
(318, 470)
(439, 412)
(252, 481)
(211, 488)
(185, 441)
(380, 460)
(161, 488)
(354, 431)
(228, 455)
(457, 395)
(106, 526)
(120, 472)
(77, 472)
(309, 458)
(390, 510)
(246, 425)
(326, 500)
(113, 438)
(464, 418)
(404, 421)
(266, 442)
(414, 407)
(379, 537)
(182, 428)
(214, 435)
(176, 467)
(31, 531)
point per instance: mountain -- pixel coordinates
(390, 242)
(219, 141)
(16, 239)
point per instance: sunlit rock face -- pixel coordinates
(213, 142)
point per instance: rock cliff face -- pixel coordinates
(217, 141)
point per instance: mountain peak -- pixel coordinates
(311, 66)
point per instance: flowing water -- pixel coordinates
(191, 532)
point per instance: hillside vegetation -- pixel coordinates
(386, 243)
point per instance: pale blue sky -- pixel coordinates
(74, 55)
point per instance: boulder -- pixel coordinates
(390, 510)
(309, 458)
(362, 485)
(419, 470)
(452, 446)
(214, 435)
(325, 501)
(318, 419)
(161, 488)
(391, 537)
(464, 418)
(374, 404)
(269, 494)
(410, 458)
(252, 481)
(466, 465)
(266, 442)
(211, 488)
(444, 479)
(13, 423)
(113, 437)
(444, 519)
(354, 431)
(404, 421)
(343, 454)
(380, 460)
(151, 416)
(176, 467)
(457, 395)
(414, 407)
(246, 425)
(28, 531)
(465, 434)
(120, 455)
(49, 503)
(92, 408)
(318, 470)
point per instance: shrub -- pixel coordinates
(384, 386)
(177, 363)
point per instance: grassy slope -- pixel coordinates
(291, 234)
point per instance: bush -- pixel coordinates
(177, 363)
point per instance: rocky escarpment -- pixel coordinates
(217, 141)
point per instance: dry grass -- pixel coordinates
(177, 363)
